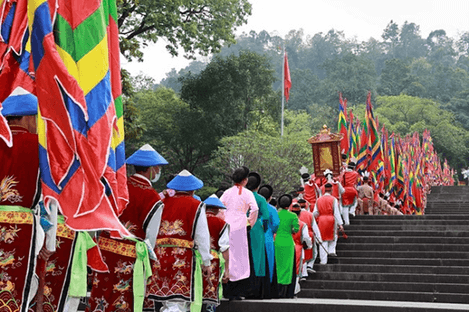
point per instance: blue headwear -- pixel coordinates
(146, 156)
(214, 201)
(19, 103)
(185, 181)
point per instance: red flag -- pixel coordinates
(286, 78)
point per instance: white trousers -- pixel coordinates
(329, 247)
(175, 306)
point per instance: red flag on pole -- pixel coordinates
(286, 79)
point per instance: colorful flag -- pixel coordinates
(14, 57)
(374, 143)
(342, 125)
(363, 152)
(286, 78)
(76, 111)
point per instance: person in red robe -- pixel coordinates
(311, 189)
(350, 179)
(326, 212)
(302, 241)
(182, 249)
(219, 248)
(337, 188)
(123, 289)
(310, 254)
(22, 240)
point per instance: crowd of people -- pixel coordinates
(184, 254)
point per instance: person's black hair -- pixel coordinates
(219, 193)
(11, 118)
(300, 189)
(141, 168)
(254, 180)
(240, 174)
(273, 202)
(301, 201)
(285, 201)
(265, 191)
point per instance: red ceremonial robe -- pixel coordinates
(216, 227)
(349, 181)
(298, 239)
(112, 291)
(19, 176)
(311, 193)
(173, 271)
(58, 269)
(307, 218)
(326, 220)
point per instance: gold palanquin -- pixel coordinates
(326, 151)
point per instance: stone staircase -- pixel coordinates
(391, 263)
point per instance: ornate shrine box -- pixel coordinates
(326, 152)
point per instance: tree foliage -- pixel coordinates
(231, 91)
(277, 159)
(194, 26)
(405, 114)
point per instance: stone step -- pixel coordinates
(383, 218)
(440, 211)
(386, 246)
(410, 221)
(385, 286)
(377, 268)
(391, 277)
(409, 227)
(451, 197)
(412, 233)
(386, 295)
(402, 240)
(449, 189)
(399, 261)
(402, 254)
(336, 305)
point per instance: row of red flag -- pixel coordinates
(405, 167)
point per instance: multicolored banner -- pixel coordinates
(81, 140)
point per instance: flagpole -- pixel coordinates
(283, 90)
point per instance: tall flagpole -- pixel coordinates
(283, 90)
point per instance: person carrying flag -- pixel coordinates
(22, 241)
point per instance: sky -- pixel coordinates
(362, 19)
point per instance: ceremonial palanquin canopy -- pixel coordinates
(326, 151)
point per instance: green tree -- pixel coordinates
(411, 44)
(194, 26)
(277, 159)
(395, 78)
(391, 37)
(173, 80)
(405, 114)
(459, 104)
(352, 75)
(230, 89)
